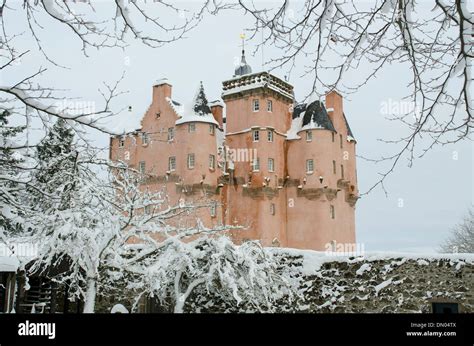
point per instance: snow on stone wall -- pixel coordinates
(373, 283)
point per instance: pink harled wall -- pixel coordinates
(285, 207)
(197, 185)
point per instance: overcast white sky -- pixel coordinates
(435, 193)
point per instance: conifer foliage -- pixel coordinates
(11, 176)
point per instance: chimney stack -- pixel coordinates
(334, 109)
(217, 109)
(162, 89)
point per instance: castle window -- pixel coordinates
(171, 163)
(342, 171)
(272, 208)
(309, 166)
(334, 167)
(256, 105)
(269, 106)
(121, 142)
(333, 136)
(211, 129)
(145, 138)
(191, 127)
(213, 209)
(271, 165)
(147, 210)
(270, 135)
(340, 140)
(256, 164)
(212, 161)
(332, 212)
(171, 133)
(141, 167)
(256, 135)
(190, 161)
(309, 136)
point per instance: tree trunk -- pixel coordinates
(179, 306)
(89, 299)
(181, 298)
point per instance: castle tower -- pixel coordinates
(297, 185)
(321, 186)
(258, 113)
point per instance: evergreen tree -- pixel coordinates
(201, 106)
(56, 171)
(11, 176)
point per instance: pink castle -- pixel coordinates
(286, 172)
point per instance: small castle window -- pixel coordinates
(171, 133)
(309, 166)
(256, 105)
(141, 167)
(211, 129)
(340, 140)
(212, 161)
(256, 135)
(121, 142)
(271, 165)
(190, 161)
(342, 171)
(269, 106)
(332, 212)
(270, 135)
(145, 138)
(213, 209)
(334, 167)
(171, 163)
(309, 136)
(256, 164)
(191, 127)
(333, 136)
(272, 208)
(147, 210)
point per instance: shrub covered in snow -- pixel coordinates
(245, 276)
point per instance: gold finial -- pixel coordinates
(242, 37)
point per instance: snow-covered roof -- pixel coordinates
(294, 128)
(197, 111)
(128, 122)
(309, 116)
(9, 264)
(216, 103)
(313, 115)
(162, 81)
(350, 135)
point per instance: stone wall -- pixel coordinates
(373, 283)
